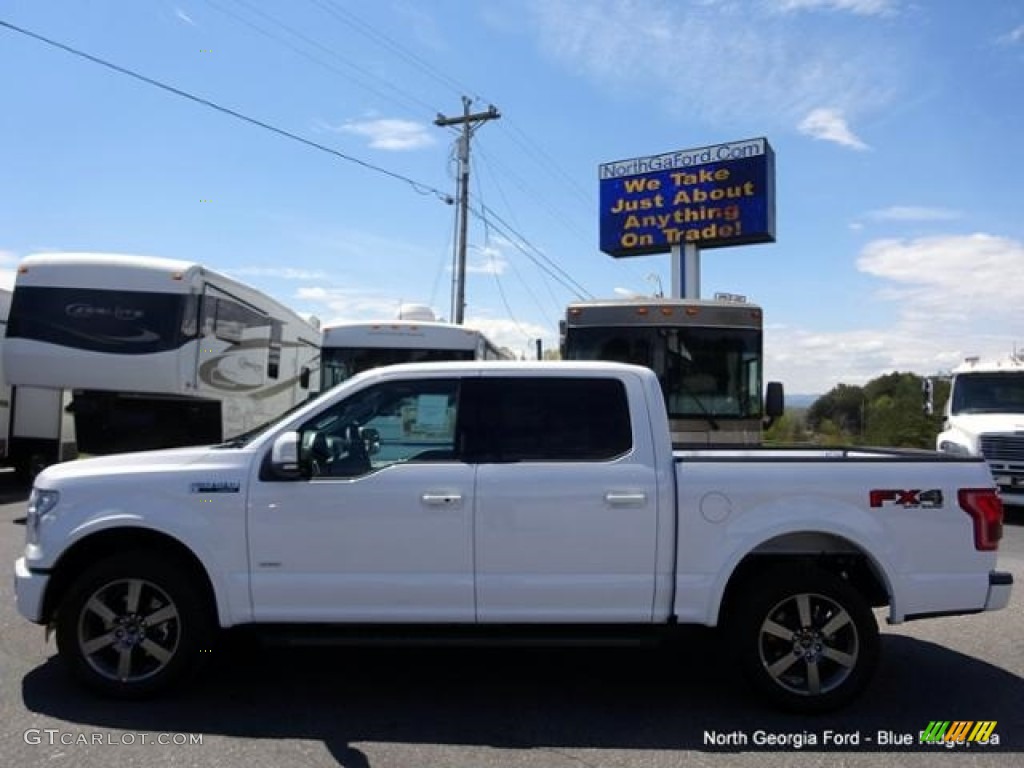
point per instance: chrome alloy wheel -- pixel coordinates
(128, 630)
(808, 644)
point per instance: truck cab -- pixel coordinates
(984, 416)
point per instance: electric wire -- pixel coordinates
(531, 148)
(408, 100)
(418, 187)
(496, 180)
(532, 252)
(489, 251)
(367, 30)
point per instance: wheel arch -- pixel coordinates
(827, 551)
(112, 541)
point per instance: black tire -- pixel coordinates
(805, 639)
(133, 626)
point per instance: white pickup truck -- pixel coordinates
(533, 498)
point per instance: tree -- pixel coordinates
(888, 411)
(788, 429)
(843, 406)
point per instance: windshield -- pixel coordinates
(988, 393)
(703, 371)
(341, 364)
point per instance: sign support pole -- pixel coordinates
(686, 271)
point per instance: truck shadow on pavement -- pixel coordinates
(533, 699)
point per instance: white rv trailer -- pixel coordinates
(35, 428)
(156, 352)
(349, 348)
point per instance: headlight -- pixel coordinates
(40, 503)
(947, 446)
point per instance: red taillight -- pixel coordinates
(986, 511)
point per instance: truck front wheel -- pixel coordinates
(132, 626)
(805, 639)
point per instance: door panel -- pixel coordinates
(566, 510)
(372, 548)
(382, 528)
(552, 548)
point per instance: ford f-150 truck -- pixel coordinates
(491, 497)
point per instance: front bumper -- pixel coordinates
(30, 590)
(1000, 585)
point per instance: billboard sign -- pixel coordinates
(710, 196)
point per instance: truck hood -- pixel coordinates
(142, 461)
(988, 423)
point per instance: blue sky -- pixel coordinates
(897, 126)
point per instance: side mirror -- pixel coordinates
(774, 401)
(284, 456)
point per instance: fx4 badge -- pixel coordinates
(907, 499)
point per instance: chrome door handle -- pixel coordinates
(441, 499)
(625, 498)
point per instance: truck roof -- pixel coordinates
(1013, 363)
(520, 367)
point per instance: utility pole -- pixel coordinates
(469, 123)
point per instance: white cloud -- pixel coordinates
(912, 213)
(389, 133)
(959, 277)
(954, 296)
(725, 63)
(184, 17)
(857, 7)
(1014, 36)
(519, 337)
(488, 261)
(338, 305)
(830, 125)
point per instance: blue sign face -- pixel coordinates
(714, 204)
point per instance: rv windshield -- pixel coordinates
(988, 393)
(113, 321)
(704, 372)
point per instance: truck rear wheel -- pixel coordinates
(132, 626)
(805, 639)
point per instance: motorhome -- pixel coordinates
(415, 336)
(707, 355)
(155, 352)
(36, 430)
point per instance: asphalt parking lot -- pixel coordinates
(381, 707)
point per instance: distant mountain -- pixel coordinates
(800, 401)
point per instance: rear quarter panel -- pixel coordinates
(732, 505)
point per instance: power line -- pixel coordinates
(367, 77)
(489, 252)
(518, 136)
(367, 30)
(532, 252)
(423, 189)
